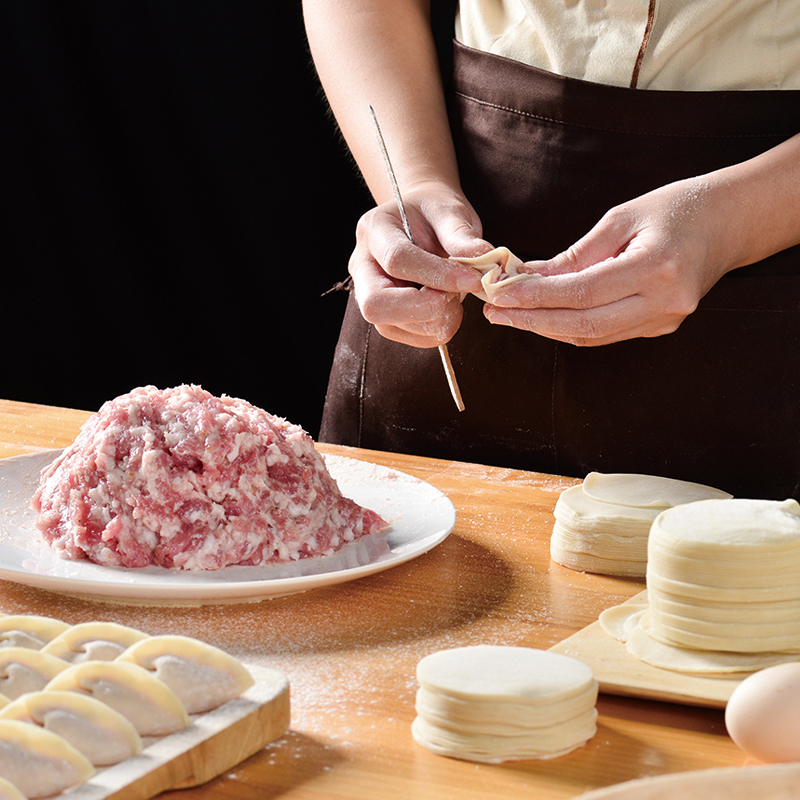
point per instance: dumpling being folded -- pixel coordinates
(29, 630)
(93, 641)
(201, 675)
(499, 268)
(92, 727)
(38, 762)
(25, 670)
(149, 704)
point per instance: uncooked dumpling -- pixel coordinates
(10, 792)
(93, 641)
(29, 630)
(149, 704)
(499, 268)
(25, 670)
(92, 727)
(38, 762)
(202, 676)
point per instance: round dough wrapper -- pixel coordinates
(494, 748)
(149, 704)
(646, 491)
(602, 525)
(39, 763)
(493, 704)
(92, 727)
(201, 675)
(629, 623)
(93, 641)
(504, 674)
(712, 553)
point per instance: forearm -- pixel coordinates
(760, 201)
(381, 53)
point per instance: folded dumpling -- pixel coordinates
(10, 792)
(29, 630)
(150, 705)
(38, 762)
(498, 268)
(92, 727)
(92, 641)
(25, 670)
(201, 675)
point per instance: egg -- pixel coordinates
(763, 713)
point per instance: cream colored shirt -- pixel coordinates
(678, 44)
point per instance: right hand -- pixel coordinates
(412, 293)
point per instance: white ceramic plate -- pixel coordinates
(420, 515)
(768, 782)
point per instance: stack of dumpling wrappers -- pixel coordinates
(602, 525)
(491, 703)
(77, 697)
(723, 591)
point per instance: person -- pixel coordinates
(652, 181)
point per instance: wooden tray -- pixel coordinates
(213, 743)
(618, 672)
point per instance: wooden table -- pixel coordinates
(350, 651)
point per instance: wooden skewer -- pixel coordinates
(452, 382)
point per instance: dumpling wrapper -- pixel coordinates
(201, 675)
(149, 704)
(10, 792)
(29, 630)
(92, 727)
(625, 624)
(647, 491)
(38, 762)
(500, 267)
(464, 694)
(25, 670)
(93, 641)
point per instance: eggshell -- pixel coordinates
(763, 713)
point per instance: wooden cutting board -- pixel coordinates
(618, 672)
(214, 743)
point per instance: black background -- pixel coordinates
(175, 202)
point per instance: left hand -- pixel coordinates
(638, 273)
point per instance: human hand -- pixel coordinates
(638, 273)
(412, 292)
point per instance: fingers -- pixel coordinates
(625, 319)
(380, 235)
(411, 291)
(403, 311)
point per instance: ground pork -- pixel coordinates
(182, 479)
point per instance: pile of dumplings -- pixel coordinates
(74, 698)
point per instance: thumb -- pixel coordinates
(604, 241)
(459, 232)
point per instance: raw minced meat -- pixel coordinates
(182, 479)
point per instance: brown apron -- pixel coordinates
(542, 158)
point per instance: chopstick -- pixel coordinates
(452, 382)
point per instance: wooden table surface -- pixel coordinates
(350, 651)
